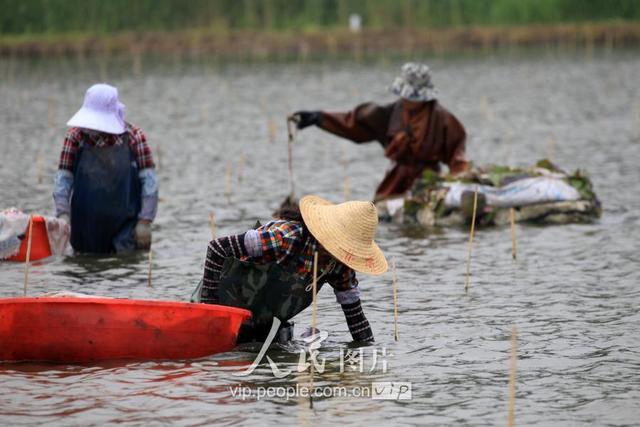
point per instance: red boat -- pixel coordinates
(64, 329)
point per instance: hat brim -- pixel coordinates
(103, 122)
(370, 260)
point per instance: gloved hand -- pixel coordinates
(65, 217)
(305, 119)
(143, 234)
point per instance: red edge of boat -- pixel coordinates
(79, 329)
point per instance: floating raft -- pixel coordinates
(426, 205)
(87, 329)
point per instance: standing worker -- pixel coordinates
(106, 184)
(416, 132)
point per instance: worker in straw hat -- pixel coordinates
(269, 270)
(416, 131)
(106, 184)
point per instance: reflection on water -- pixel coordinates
(572, 293)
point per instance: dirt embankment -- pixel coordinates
(247, 44)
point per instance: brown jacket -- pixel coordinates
(405, 139)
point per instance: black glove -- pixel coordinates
(305, 119)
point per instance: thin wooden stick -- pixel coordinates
(512, 376)
(346, 189)
(241, 162)
(150, 264)
(228, 178)
(512, 216)
(509, 146)
(26, 262)
(40, 166)
(205, 112)
(273, 130)
(395, 301)
(212, 224)
(159, 164)
(314, 307)
(291, 135)
(552, 148)
(51, 112)
(473, 226)
(314, 310)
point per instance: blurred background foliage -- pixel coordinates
(111, 16)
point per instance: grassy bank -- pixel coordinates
(100, 17)
(270, 44)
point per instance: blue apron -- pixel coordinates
(106, 199)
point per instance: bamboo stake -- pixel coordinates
(159, 165)
(39, 166)
(241, 162)
(395, 301)
(212, 224)
(51, 112)
(314, 310)
(291, 120)
(26, 262)
(346, 189)
(205, 112)
(273, 130)
(228, 178)
(486, 109)
(136, 66)
(512, 376)
(150, 264)
(473, 226)
(512, 215)
(509, 146)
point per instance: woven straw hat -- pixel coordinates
(346, 230)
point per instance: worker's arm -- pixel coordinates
(147, 174)
(63, 180)
(149, 202)
(345, 287)
(217, 251)
(366, 122)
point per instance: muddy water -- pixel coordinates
(572, 294)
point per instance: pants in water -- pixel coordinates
(106, 199)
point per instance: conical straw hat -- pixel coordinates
(346, 230)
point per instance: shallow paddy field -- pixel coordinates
(572, 294)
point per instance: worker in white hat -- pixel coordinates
(269, 270)
(106, 185)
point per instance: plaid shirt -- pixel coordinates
(75, 136)
(285, 242)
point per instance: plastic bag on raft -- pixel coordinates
(14, 226)
(13, 223)
(526, 191)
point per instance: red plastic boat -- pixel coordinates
(63, 329)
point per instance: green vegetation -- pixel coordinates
(112, 16)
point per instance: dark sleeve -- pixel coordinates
(455, 145)
(357, 322)
(217, 251)
(367, 122)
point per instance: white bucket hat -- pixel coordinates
(414, 84)
(100, 111)
(346, 230)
